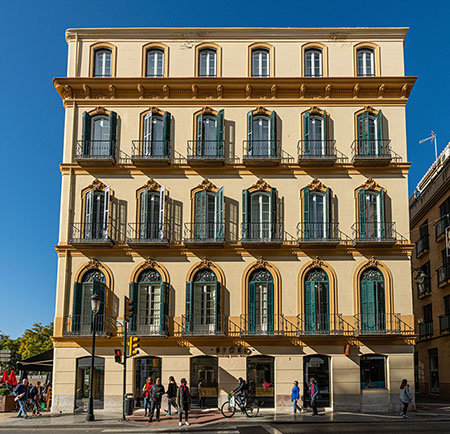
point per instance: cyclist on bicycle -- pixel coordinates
(242, 391)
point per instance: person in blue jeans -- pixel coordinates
(21, 394)
(296, 396)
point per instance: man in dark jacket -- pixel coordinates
(21, 394)
(156, 393)
(36, 396)
(314, 392)
(242, 391)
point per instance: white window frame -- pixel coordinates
(260, 52)
(366, 53)
(157, 52)
(103, 52)
(313, 53)
(211, 58)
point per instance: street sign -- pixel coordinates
(5, 352)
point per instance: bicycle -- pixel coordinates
(248, 407)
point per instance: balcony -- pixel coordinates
(193, 326)
(322, 325)
(444, 322)
(380, 234)
(96, 152)
(425, 329)
(440, 227)
(209, 152)
(424, 288)
(443, 275)
(148, 234)
(256, 233)
(316, 152)
(204, 234)
(422, 246)
(91, 234)
(318, 234)
(148, 327)
(380, 324)
(81, 325)
(372, 152)
(251, 325)
(262, 152)
(150, 152)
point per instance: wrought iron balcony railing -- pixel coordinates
(318, 232)
(374, 232)
(316, 151)
(444, 322)
(425, 329)
(147, 233)
(205, 150)
(443, 275)
(263, 150)
(204, 233)
(150, 151)
(322, 324)
(441, 225)
(262, 325)
(422, 245)
(96, 150)
(262, 232)
(92, 233)
(380, 324)
(371, 149)
(81, 325)
(424, 288)
(193, 325)
(145, 326)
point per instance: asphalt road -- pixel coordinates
(399, 426)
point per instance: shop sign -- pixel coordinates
(232, 351)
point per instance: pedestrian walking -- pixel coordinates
(314, 392)
(21, 395)
(36, 397)
(156, 393)
(146, 394)
(405, 397)
(171, 395)
(183, 402)
(295, 397)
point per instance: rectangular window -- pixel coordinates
(373, 375)
(434, 370)
(423, 229)
(428, 313)
(447, 304)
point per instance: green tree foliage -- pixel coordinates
(6, 343)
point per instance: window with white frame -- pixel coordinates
(102, 62)
(260, 62)
(313, 63)
(155, 63)
(365, 62)
(207, 63)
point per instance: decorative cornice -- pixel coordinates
(149, 263)
(371, 263)
(260, 185)
(93, 264)
(370, 184)
(316, 263)
(153, 185)
(260, 263)
(206, 184)
(205, 263)
(316, 185)
(96, 184)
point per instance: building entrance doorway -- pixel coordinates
(83, 383)
(261, 379)
(317, 367)
(204, 382)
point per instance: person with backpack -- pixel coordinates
(156, 393)
(242, 391)
(183, 401)
(314, 392)
(171, 395)
(295, 395)
(405, 397)
(146, 394)
(36, 397)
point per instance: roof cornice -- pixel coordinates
(250, 33)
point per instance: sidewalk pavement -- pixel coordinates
(210, 419)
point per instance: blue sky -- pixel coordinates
(34, 50)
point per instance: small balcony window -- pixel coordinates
(365, 62)
(102, 62)
(313, 63)
(207, 63)
(155, 63)
(260, 62)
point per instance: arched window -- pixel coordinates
(372, 301)
(155, 134)
(208, 215)
(315, 133)
(372, 223)
(151, 224)
(262, 140)
(92, 282)
(316, 214)
(102, 62)
(260, 62)
(96, 214)
(155, 63)
(207, 63)
(209, 134)
(313, 63)
(260, 302)
(365, 62)
(316, 298)
(99, 132)
(373, 371)
(370, 134)
(203, 304)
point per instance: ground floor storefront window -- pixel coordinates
(204, 381)
(83, 379)
(145, 367)
(317, 367)
(261, 379)
(434, 370)
(373, 372)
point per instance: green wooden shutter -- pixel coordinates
(86, 133)
(306, 145)
(133, 295)
(363, 133)
(105, 224)
(112, 133)
(380, 145)
(324, 126)
(220, 133)
(371, 305)
(270, 313)
(218, 309)
(162, 212)
(166, 132)
(324, 305)
(251, 306)
(327, 216)
(309, 320)
(364, 300)
(250, 133)
(76, 306)
(200, 215)
(273, 134)
(245, 214)
(199, 138)
(362, 213)
(274, 233)
(189, 307)
(382, 222)
(164, 307)
(219, 205)
(89, 214)
(143, 227)
(306, 226)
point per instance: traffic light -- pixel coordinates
(133, 347)
(128, 309)
(118, 356)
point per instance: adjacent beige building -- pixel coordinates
(247, 189)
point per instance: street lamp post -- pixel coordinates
(95, 305)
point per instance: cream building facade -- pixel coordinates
(247, 189)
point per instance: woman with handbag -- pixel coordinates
(146, 394)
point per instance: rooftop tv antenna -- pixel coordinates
(432, 139)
